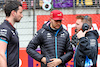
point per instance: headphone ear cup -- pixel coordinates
(85, 26)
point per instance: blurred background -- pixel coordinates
(33, 8)
(36, 13)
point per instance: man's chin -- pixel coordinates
(57, 27)
(17, 21)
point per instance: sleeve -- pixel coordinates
(85, 47)
(69, 51)
(5, 35)
(33, 44)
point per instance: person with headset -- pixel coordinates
(87, 45)
(54, 42)
(9, 40)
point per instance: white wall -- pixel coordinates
(25, 27)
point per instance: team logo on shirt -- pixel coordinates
(13, 32)
(62, 35)
(92, 42)
(3, 32)
(49, 36)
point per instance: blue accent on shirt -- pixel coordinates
(3, 41)
(6, 53)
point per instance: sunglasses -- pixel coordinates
(58, 20)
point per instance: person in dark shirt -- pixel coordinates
(9, 40)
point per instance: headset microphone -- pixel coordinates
(75, 30)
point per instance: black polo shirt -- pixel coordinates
(9, 35)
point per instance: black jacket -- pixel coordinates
(45, 38)
(88, 46)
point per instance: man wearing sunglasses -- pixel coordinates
(54, 42)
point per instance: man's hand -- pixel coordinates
(43, 60)
(55, 62)
(81, 34)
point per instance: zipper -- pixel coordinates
(56, 44)
(56, 47)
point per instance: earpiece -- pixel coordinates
(85, 26)
(75, 30)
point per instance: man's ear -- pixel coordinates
(13, 13)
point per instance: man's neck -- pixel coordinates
(10, 20)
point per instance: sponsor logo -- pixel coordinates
(92, 42)
(13, 32)
(3, 32)
(62, 35)
(49, 36)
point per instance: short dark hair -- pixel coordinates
(10, 6)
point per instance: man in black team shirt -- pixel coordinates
(9, 41)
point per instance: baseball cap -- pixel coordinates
(56, 15)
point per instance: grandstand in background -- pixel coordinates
(57, 3)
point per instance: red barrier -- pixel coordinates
(27, 61)
(24, 5)
(23, 57)
(69, 22)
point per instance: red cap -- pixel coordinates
(56, 15)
